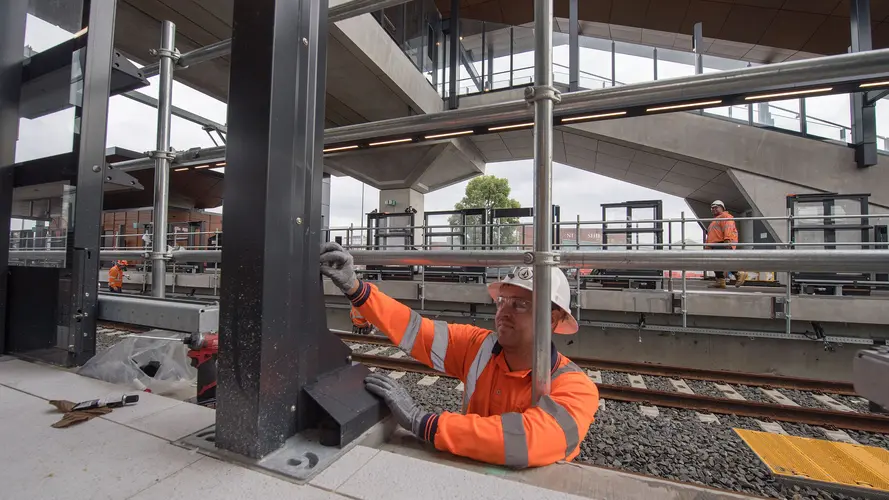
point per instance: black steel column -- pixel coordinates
(864, 111)
(12, 42)
(90, 130)
(697, 43)
(273, 334)
(573, 48)
(454, 54)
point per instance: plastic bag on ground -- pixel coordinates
(124, 362)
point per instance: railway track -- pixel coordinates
(721, 376)
(866, 422)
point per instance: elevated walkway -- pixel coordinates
(136, 452)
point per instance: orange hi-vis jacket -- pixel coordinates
(498, 424)
(115, 276)
(722, 230)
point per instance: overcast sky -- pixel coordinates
(579, 193)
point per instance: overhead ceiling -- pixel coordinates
(811, 26)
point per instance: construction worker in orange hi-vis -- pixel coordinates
(722, 234)
(498, 423)
(115, 276)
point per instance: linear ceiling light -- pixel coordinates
(873, 84)
(343, 148)
(202, 166)
(183, 169)
(787, 94)
(449, 134)
(593, 117)
(221, 164)
(510, 127)
(396, 141)
(683, 106)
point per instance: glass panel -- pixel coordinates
(595, 63)
(829, 117)
(810, 237)
(779, 114)
(497, 52)
(393, 22)
(41, 220)
(674, 63)
(51, 22)
(633, 63)
(846, 207)
(849, 236)
(523, 56)
(882, 124)
(414, 31)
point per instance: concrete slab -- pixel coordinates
(377, 351)
(459, 387)
(773, 427)
(729, 392)
(838, 435)
(595, 376)
(637, 381)
(681, 386)
(213, 479)
(397, 375)
(649, 411)
(708, 418)
(833, 404)
(398, 354)
(95, 459)
(386, 476)
(427, 380)
(778, 397)
(337, 474)
(176, 422)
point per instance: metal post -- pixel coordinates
(454, 54)
(573, 47)
(787, 296)
(684, 284)
(543, 96)
(864, 118)
(670, 246)
(162, 158)
(483, 60)
(803, 125)
(697, 43)
(216, 265)
(13, 16)
(654, 59)
(613, 64)
(511, 53)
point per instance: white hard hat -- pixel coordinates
(718, 203)
(523, 277)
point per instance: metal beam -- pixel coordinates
(181, 113)
(864, 112)
(574, 47)
(13, 15)
(190, 316)
(92, 116)
(223, 48)
(697, 47)
(163, 159)
(787, 76)
(454, 47)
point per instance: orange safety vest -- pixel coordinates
(498, 424)
(115, 277)
(722, 230)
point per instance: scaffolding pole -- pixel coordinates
(543, 95)
(163, 158)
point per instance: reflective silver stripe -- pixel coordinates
(570, 367)
(478, 366)
(439, 345)
(515, 444)
(410, 332)
(565, 421)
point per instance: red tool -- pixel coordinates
(204, 351)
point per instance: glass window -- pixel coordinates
(523, 56)
(51, 22)
(829, 117)
(633, 63)
(595, 63)
(674, 63)
(778, 114)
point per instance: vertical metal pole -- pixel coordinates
(654, 59)
(684, 283)
(787, 296)
(864, 118)
(573, 48)
(454, 54)
(13, 14)
(670, 246)
(216, 265)
(543, 97)
(511, 55)
(697, 43)
(162, 159)
(803, 125)
(613, 64)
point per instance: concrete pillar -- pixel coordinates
(397, 201)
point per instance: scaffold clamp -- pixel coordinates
(534, 94)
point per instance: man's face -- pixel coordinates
(716, 209)
(513, 319)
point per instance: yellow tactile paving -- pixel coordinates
(842, 464)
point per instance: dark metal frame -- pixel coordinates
(508, 213)
(13, 14)
(829, 228)
(864, 108)
(281, 371)
(377, 239)
(645, 279)
(458, 274)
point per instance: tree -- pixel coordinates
(487, 192)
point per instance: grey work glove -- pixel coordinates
(337, 264)
(406, 412)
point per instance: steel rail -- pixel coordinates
(751, 379)
(867, 422)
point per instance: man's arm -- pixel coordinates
(541, 435)
(436, 344)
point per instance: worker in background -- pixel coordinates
(723, 235)
(115, 276)
(498, 424)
